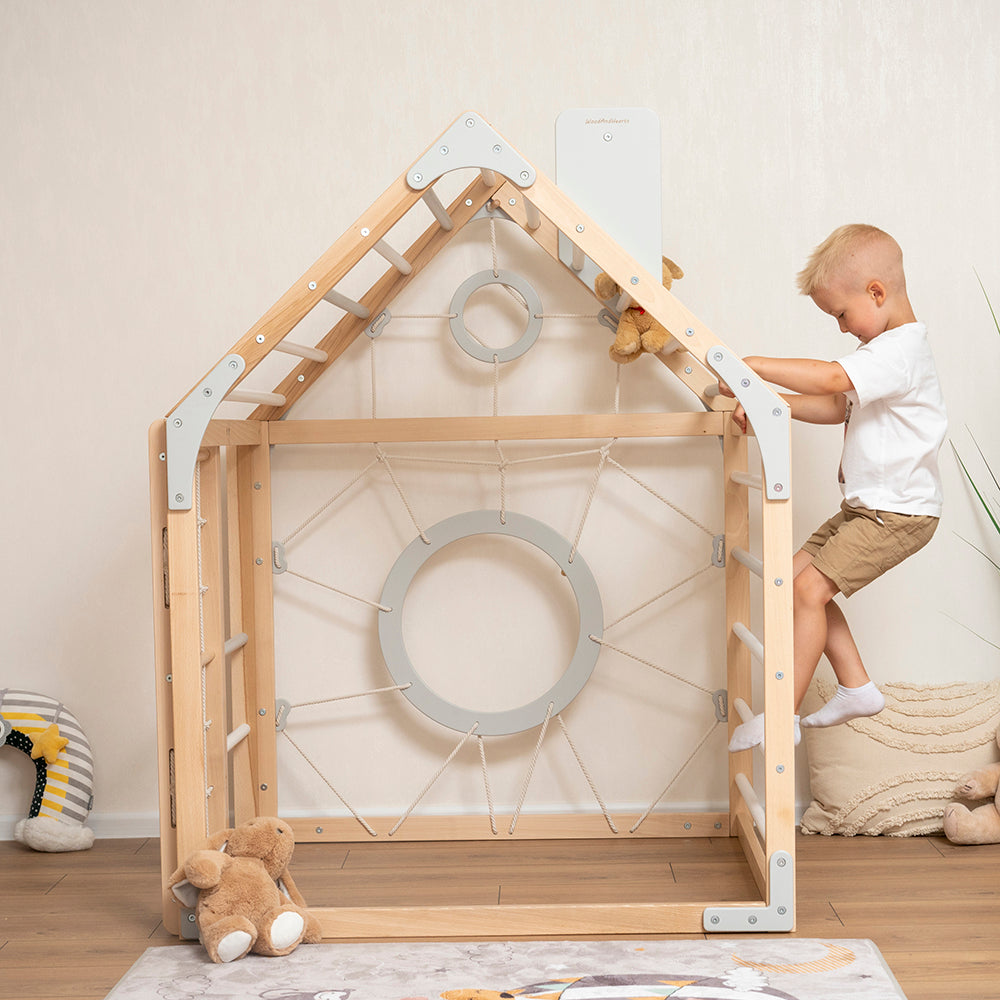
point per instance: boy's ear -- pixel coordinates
(876, 289)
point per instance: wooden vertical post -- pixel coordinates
(161, 646)
(738, 662)
(215, 696)
(779, 679)
(253, 476)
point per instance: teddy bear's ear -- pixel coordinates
(671, 269)
(185, 893)
(605, 286)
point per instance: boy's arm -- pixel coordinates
(818, 388)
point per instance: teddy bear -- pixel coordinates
(637, 330)
(242, 894)
(981, 825)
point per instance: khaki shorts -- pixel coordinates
(858, 545)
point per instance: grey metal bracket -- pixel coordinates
(279, 561)
(470, 142)
(719, 551)
(720, 699)
(778, 915)
(767, 412)
(281, 709)
(492, 210)
(186, 427)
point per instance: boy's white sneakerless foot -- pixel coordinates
(751, 734)
(847, 704)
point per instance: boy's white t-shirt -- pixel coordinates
(896, 423)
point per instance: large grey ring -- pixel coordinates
(565, 689)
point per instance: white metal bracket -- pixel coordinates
(470, 142)
(767, 412)
(187, 424)
(778, 915)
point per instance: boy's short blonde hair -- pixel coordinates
(844, 250)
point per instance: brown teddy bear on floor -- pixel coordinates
(637, 330)
(976, 826)
(242, 893)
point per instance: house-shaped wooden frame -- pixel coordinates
(214, 612)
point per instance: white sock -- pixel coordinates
(847, 704)
(751, 734)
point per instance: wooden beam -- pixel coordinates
(579, 826)
(513, 920)
(514, 428)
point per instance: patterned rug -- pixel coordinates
(727, 969)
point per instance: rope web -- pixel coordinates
(501, 464)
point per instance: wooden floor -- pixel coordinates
(72, 924)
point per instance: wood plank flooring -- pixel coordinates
(72, 924)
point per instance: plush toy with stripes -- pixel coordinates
(42, 728)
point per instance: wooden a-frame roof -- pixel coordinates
(533, 202)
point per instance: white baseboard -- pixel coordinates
(106, 826)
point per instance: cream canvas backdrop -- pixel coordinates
(168, 171)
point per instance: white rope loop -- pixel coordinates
(465, 739)
(326, 782)
(635, 826)
(586, 774)
(531, 768)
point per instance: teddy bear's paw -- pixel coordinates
(623, 359)
(233, 946)
(654, 340)
(287, 929)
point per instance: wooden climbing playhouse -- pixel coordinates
(215, 558)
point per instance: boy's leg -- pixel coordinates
(856, 696)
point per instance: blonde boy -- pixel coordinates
(887, 395)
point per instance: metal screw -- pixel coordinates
(745, 382)
(781, 770)
(262, 711)
(319, 829)
(579, 229)
(498, 148)
(263, 787)
(259, 561)
(718, 826)
(234, 364)
(688, 370)
(178, 422)
(179, 497)
(778, 581)
(780, 675)
(718, 356)
(302, 378)
(778, 487)
(259, 338)
(312, 286)
(715, 920)
(190, 918)
(687, 826)
(776, 412)
(256, 486)
(751, 920)
(206, 391)
(444, 150)
(468, 203)
(512, 201)
(163, 456)
(170, 678)
(608, 137)
(470, 122)
(418, 177)
(525, 175)
(782, 910)
(690, 332)
(782, 862)
(366, 231)
(635, 280)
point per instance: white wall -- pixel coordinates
(168, 170)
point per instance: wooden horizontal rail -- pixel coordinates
(578, 826)
(514, 428)
(517, 920)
